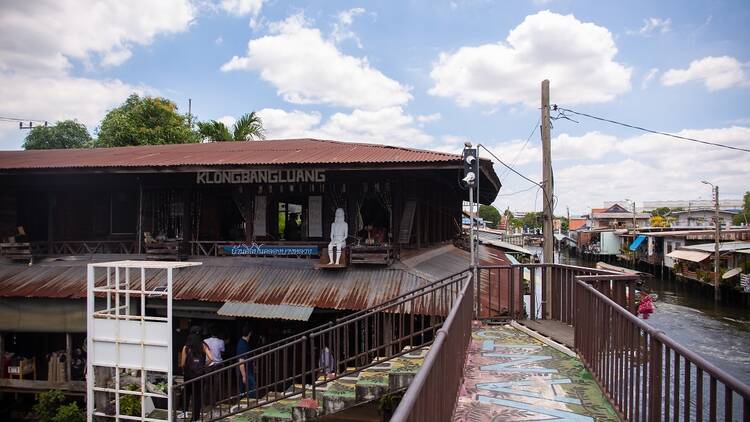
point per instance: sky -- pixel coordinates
(420, 74)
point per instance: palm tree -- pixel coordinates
(247, 128)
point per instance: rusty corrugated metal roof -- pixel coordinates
(270, 152)
(256, 280)
(266, 281)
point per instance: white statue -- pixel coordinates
(339, 233)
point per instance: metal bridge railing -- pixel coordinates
(433, 393)
(646, 375)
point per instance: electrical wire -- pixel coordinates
(672, 135)
(523, 147)
(519, 191)
(509, 167)
(16, 119)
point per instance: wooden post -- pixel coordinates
(548, 194)
(50, 221)
(69, 357)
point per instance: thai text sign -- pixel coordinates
(261, 176)
(270, 250)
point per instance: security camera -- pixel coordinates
(467, 144)
(469, 177)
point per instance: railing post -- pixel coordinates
(304, 372)
(655, 379)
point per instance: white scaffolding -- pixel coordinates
(129, 351)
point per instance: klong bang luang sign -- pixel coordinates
(261, 176)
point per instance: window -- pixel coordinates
(291, 221)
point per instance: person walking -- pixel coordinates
(193, 358)
(216, 346)
(247, 375)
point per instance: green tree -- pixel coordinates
(489, 214)
(744, 216)
(247, 128)
(65, 134)
(564, 224)
(145, 121)
(532, 220)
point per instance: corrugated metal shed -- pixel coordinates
(256, 310)
(276, 152)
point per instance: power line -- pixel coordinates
(519, 191)
(523, 147)
(509, 167)
(16, 119)
(684, 138)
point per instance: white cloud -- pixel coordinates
(56, 98)
(44, 36)
(384, 126)
(242, 7)
(281, 124)
(389, 126)
(595, 167)
(717, 73)
(219, 40)
(39, 46)
(577, 58)
(648, 77)
(429, 118)
(652, 25)
(228, 121)
(305, 68)
(341, 31)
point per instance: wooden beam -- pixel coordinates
(33, 386)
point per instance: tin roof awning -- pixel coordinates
(258, 310)
(637, 242)
(694, 256)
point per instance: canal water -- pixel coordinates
(687, 313)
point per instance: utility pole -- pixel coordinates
(568, 211)
(190, 112)
(717, 223)
(547, 191)
(717, 238)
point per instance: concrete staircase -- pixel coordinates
(340, 394)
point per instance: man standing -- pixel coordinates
(216, 345)
(247, 376)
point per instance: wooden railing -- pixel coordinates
(85, 247)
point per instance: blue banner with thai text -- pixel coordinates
(270, 250)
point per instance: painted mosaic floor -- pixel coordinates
(510, 376)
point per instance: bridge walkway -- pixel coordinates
(511, 376)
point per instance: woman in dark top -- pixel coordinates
(193, 360)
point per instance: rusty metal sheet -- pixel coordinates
(276, 152)
(259, 281)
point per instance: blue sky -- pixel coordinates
(425, 74)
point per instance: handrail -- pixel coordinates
(373, 308)
(726, 378)
(286, 363)
(447, 344)
(639, 367)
